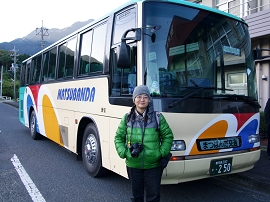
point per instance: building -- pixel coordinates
(257, 14)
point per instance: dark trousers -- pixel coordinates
(148, 179)
(268, 144)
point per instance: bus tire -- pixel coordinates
(33, 127)
(91, 152)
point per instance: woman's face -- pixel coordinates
(141, 102)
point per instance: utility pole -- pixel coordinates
(43, 32)
(14, 67)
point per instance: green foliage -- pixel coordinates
(263, 125)
(8, 84)
(5, 59)
(21, 58)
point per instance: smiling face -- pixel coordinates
(141, 102)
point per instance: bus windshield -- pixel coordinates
(193, 49)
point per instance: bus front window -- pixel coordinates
(196, 49)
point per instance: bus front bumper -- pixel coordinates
(199, 168)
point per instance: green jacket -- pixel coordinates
(156, 144)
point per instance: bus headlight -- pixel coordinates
(253, 138)
(178, 145)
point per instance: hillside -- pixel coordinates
(31, 43)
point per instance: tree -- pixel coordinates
(7, 85)
(23, 57)
(5, 59)
(8, 76)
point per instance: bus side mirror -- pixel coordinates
(124, 54)
(153, 38)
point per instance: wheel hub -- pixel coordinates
(90, 148)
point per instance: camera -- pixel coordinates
(135, 149)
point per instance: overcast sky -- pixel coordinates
(20, 17)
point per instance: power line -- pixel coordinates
(43, 32)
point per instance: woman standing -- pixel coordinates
(143, 142)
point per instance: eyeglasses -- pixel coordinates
(142, 97)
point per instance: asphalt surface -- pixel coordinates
(257, 178)
(10, 102)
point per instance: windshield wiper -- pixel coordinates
(255, 104)
(250, 101)
(192, 93)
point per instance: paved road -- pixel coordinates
(257, 178)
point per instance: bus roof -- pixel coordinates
(180, 2)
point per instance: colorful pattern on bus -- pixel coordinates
(227, 125)
(223, 125)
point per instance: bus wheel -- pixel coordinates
(91, 152)
(33, 127)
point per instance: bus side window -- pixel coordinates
(35, 72)
(96, 67)
(116, 73)
(22, 73)
(45, 66)
(85, 52)
(52, 64)
(123, 80)
(27, 73)
(62, 60)
(38, 70)
(86, 69)
(132, 80)
(124, 20)
(98, 48)
(70, 53)
(127, 76)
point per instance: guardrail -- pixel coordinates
(5, 98)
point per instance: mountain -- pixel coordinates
(31, 43)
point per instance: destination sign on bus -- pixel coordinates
(219, 143)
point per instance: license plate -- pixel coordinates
(220, 166)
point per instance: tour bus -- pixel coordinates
(197, 63)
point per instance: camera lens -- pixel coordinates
(135, 149)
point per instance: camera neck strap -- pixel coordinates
(143, 126)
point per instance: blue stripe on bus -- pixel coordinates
(249, 129)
